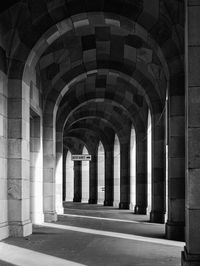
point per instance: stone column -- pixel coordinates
(141, 174)
(176, 160)
(93, 180)
(77, 181)
(101, 176)
(108, 178)
(4, 231)
(191, 254)
(157, 214)
(36, 169)
(59, 173)
(124, 176)
(49, 160)
(64, 172)
(176, 165)
(116, 173)
(19, 159)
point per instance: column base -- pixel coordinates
(157, 217)
(116, 203)
(189, 260)
(175, 231)
(108, 203)
(140, 210)
(60, 210)
(124, 205)
(132, 207)
(20, 229)
(92, 201)
(4, 231)
(50, 217)
(76, 199)
(37, 217)
(84, 201)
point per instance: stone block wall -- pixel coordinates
(3, 157)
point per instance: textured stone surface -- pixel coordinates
(90, 70)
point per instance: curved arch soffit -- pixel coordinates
(63, 27)
(62, 123)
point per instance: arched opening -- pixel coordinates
(132, 169)
(101, 174)
(149, 163)
(69, 186)
(116, 172)
(85, 178)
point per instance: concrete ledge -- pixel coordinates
(50, 217)
(157, 217)
(20, 229)
(4, 231)
(175, 231)
(189, 260)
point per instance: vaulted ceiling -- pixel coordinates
(103, 64)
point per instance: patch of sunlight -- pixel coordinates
(117, 235)
(105, 219)
(25, 257)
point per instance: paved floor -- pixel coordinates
(93, 235)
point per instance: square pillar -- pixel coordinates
(59, 173)
(191, 254)
(141, 174)
(19, 159)
(93, 179)
(157, 214)
(77, 181)
(108, 178)
(36, 169)
(4, 230)
(49, 164)
(124, 175)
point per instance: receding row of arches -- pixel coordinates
(104, 78)
(84, 174)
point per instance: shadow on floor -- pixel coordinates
(4, 263)
(121, 221)
(53, 246)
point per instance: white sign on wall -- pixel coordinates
(81, 157)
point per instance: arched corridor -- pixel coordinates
(99, 110)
